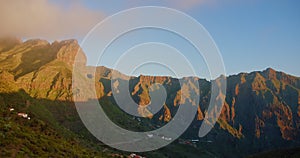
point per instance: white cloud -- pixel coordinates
(42, 19)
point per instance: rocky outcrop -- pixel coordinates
(42, 69)
(67, 51)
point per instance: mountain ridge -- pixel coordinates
(260, 106)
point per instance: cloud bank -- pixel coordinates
(54, 20)
(42, 19)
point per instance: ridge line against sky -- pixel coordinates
(250, 35)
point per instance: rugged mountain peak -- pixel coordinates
(36, 42)
(67, 51)
(269, 69)
(270, 74)
(69, 41)
(153, 79)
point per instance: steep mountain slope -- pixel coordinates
(261, 112)
(35, 79)
(22, 137)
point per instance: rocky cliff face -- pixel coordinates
(260, 108)
(42, 69)
(260, 105)
(269, 100)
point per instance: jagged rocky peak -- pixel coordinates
(36, 42)
(67, 51)
(270, 70)
(154, 79)
(270, 73)
(64, 42)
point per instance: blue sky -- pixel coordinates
(251, 35)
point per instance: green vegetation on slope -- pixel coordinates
(20, 137)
